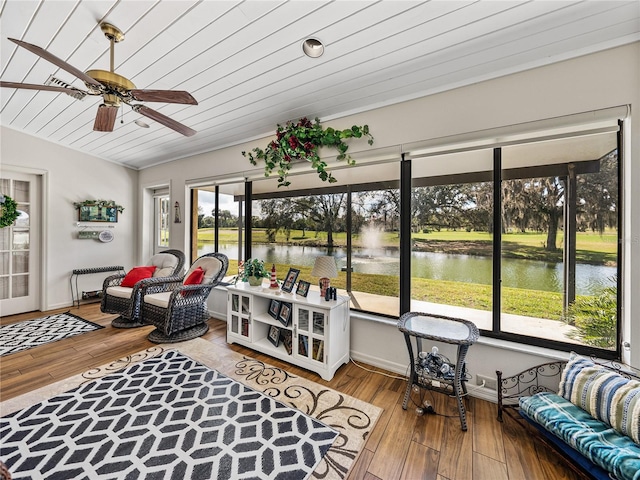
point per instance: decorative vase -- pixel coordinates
(255, 281)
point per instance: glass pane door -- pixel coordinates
(17, 278)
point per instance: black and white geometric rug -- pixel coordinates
(19, 336)
(167, 417)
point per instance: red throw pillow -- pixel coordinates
(136, 274)
(195, 277)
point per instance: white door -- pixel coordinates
(20, 246)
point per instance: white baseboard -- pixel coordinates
(476, 391)
(393, 367)
(217, 315)
(55, 306)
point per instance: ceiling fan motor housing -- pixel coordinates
(117, 83)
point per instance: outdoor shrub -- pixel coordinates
(595, 318)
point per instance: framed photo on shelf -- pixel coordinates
(284, 315)
(274, 308)
(303, 345)
(274, 335)
(287, 340)
(290, 280)
(303, 288)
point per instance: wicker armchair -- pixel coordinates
(125, 301)
(180, 313)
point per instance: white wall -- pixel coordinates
(72, 176)
(599, 81)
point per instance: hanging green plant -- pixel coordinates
(301, 141)
(99, 203)
(8, 211)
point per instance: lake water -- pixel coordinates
(527, 274)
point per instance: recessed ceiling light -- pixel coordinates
(312, 47)
(140, 123)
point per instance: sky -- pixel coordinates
(206, 200)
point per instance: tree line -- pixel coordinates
(529, 204)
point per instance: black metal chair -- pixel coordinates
(125, 301)
(180, 312)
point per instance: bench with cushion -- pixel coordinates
(593, 419)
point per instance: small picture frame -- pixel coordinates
(274, 335)
(274, 308)
(290, 280)
(303, 288)
(284, 315)
(287, 340)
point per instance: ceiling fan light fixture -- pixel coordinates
(312, 47)
(141, 124)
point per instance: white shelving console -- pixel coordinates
(316, 336)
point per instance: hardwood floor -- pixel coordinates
(401, 446)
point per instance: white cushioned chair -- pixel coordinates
(125, 301)
(180, 312)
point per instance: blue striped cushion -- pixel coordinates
(595, 440)
(606, 395)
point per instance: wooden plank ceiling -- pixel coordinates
(243, 61)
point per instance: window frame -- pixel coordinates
(405, 184)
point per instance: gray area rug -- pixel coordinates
(167, 417)
(19, 336)
(354, 419)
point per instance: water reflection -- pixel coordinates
(516, 273)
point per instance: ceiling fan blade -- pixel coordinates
(164, 120)
(74, 92)
(41, 52)
(105, 118)
(166, 96)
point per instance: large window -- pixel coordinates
(355, 220)
(375, 236)
(559, 240)
(522, 239)
(219, 226)
(452, 236)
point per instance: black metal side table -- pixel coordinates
(458, 332)
(76, 297)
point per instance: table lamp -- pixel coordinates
(325, 268)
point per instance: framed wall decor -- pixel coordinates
(290, 280)
(274, 308)
(97, 213)
(284, 315)
(303, 288)
(274, 335)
